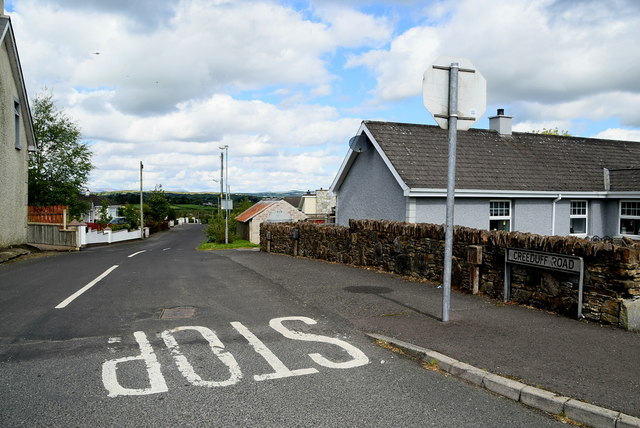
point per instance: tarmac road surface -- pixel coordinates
(156, 333)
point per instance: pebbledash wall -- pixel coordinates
(611, 278)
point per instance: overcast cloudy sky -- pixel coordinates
(286, 83)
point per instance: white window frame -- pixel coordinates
(585, 216)
(633, 217)
(501, 217)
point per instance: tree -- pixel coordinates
(59, 170)
(105, 218)
(131, 215)
(215, 231)
(159, 207)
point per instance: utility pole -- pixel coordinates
(226, 204)
(221, 179)
(141, 205)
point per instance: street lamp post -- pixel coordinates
(226, 182)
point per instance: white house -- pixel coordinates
(95, 205)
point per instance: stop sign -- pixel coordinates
(472, 92)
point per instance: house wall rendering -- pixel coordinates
(13, 157)
(527, 215)
(366, 195)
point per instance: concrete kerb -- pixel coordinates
(7, 254)
(531, 396)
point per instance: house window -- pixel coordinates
(578, 218)
(500, 215)
(630, 218)
(16, 121)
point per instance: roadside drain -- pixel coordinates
(178, 313)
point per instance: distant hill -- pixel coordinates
(196, 198)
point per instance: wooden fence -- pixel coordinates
(53, 214)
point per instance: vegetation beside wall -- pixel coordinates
(612, 272)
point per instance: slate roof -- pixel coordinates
(95, 200)
(294, 200)
(624, 180)
(487, 160)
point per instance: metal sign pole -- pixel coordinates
(451, 185)
(456, 102)
(226, 181)
(581, 289)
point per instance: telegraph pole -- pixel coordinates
(141, 205)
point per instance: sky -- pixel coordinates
(285, 84)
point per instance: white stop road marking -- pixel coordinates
(157, 383)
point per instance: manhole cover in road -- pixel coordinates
(178, 313)
(368, 289)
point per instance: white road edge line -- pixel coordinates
(135, 254)
(75, 295)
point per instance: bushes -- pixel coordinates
(216, 228)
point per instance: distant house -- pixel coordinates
(16, 139)
(95, 205)
(544, 184)
(318, 206)
(270, 211)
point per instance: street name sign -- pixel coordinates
(541, 260)
(559, 262)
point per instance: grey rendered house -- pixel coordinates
(527, 182)
(16, 140)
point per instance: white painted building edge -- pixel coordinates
(351, 157)
(481, 193)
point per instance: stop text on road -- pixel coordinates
(233, 373)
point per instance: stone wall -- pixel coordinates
(611, 278)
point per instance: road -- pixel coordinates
(156, 333)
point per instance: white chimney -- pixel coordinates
(1, 7)
(500, 123)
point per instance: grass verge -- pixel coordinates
(238, 243)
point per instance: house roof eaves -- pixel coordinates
(479, 193)
(623, 195)
(346, 166)
(16, 68)
(351, 157)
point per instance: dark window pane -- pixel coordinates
(578, 225)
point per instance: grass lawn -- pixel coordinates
(238, 243)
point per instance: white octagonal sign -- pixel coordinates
(472, 92)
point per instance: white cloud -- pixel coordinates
(259, 135)
(540, 51)
(204, 49)
(400, 68)
(282, 82)
(597, 107)
(619, 134)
